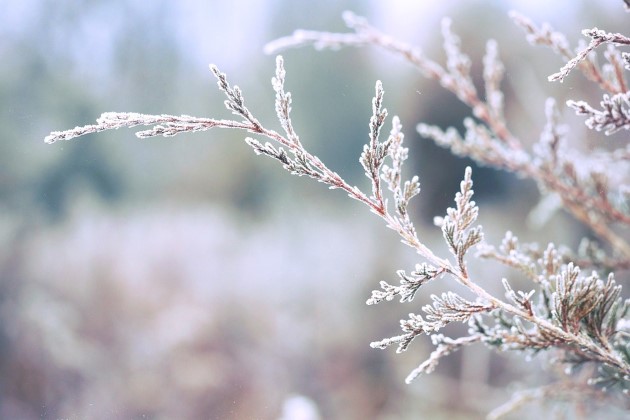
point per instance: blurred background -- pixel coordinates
(187, 278)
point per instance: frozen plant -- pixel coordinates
(574, 308)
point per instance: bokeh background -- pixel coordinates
(188, 278)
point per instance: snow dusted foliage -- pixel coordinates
(573, 308)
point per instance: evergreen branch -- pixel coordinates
(614, 115)
(456, 79)
(545, 35)
(582, 318)
(490, 143)
(409, 284)
(374, 152)
(598, 37)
